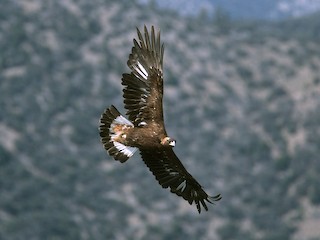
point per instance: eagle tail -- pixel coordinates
(112, 124)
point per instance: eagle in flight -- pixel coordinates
(144, 129)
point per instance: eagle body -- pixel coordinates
(143, 129)
(146, 137)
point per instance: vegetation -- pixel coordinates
(241, 99)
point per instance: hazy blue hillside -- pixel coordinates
(242, 9)
(241, 103)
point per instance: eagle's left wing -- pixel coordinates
(143, 87)
(169, 171)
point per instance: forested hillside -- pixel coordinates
(241, 100)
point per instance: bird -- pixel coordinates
(144, 128)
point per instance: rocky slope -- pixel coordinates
(241, 104)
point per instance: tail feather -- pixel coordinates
(111, 123)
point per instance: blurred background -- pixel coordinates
(242, 98)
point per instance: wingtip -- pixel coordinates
(138, 31)
(202, 204)
(212, 199)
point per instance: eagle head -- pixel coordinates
(168, 141)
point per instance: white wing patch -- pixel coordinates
(141, 124)
(121, 120)
(126, 150)
(182, 186)
(141, 71)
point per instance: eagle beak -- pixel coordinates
(172, 143)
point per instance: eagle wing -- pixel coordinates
(169, 172)
(143, 87)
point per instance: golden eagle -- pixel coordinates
(144, 129)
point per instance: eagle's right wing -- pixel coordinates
(169, 171)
